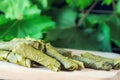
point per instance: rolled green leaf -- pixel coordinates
(37, 56)
(80, 64)
(96, 57)
(69, 54)
(14, 58)
(37, 44)
(1, 58)
(114, 62)
(65, 61)
(3, 55)
(12, 44)
(64, 52)
(90, 63)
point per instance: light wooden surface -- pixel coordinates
(16, 72)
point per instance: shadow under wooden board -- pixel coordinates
(11, 71)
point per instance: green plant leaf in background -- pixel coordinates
(107, 2)
(44, 3)
(106, 37)
(64, 17)
(117, 42)
(77, 38)
(112, 21)
(17, 9)
(95, 19)
(79, 3)
(21, 18)
(118, 7)
(114, 24)
(3, 19)
(88, 38)
(32, 27)
(103, 27)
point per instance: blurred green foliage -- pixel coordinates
(65, 23)
(21, 18)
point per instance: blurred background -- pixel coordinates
(74, 24)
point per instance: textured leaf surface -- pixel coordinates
(17, 9)
(33, 27)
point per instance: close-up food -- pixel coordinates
(60, 39)
(27, 52)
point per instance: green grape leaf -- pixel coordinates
(3, 19)
(114, 23)
(116, 42)
(17, 9)
(95, 19)
(107, 2)
(106, 37)
(79, 3)
(32, 27)
(64, 17)
(77, 38)
(44, 3)
(118, 7)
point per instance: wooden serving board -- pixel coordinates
(11, 71)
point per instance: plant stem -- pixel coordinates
(100, 11)
(85, 15)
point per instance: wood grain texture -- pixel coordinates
(16, 72)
